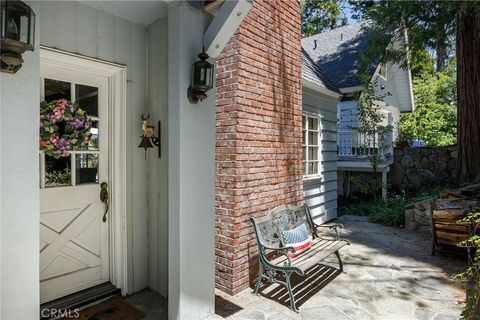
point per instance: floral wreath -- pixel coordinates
(63, 126)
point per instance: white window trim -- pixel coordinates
(316, 176)
(384, 77)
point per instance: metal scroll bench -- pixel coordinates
(273, 258)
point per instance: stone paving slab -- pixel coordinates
(388, 274)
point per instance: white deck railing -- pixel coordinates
(352, 143)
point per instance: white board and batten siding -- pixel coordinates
(321, 194)
(157, 39)
(80, 29)
(19, 192)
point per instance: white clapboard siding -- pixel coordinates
(78, 28)
(321, 194)
(398, 85)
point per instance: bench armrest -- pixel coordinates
(333, 227)
(283, 250)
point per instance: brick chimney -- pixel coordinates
(258, 133)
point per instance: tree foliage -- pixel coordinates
(321, 15)
(430, 25)
(370, 119)
(389, 22)
(435, 117)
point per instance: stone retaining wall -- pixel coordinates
(424, 166)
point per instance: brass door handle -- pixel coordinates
(104, 199)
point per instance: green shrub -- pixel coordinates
(389, 211)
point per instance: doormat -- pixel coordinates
(115, 308)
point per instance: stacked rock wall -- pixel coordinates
(424, 166)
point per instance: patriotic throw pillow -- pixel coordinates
(299, 238)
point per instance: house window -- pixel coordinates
(382, 70)
(310, 145)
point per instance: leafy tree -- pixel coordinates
(431, 22)
(421, 64)
(370, 118)
(390, 21)
(321, 15)
(435, 117)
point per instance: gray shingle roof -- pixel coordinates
(312, 73)
(336, 54)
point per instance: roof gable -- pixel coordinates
(313, 74)
(337, 54)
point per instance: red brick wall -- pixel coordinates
(258, 134)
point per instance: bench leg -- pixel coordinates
(340, 263)
(290, 292)
(260, 278)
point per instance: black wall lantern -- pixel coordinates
(202, 78)
(17, 34)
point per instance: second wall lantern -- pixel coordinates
(202, 79)
(17, 34)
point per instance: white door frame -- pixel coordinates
(117, 76)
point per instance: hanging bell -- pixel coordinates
(145, 144)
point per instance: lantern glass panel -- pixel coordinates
(202, 75)
(198, 75)
(3, 14)
(208, 77)
(18, 22)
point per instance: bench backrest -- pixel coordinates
(268, 228)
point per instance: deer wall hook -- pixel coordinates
(146, 129)
(148, 136)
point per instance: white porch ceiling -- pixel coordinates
(141, 12)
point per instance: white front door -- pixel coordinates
(74, 249)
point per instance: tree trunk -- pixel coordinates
(468, 92)
(333, 22)
(441, 49)
(441, 45)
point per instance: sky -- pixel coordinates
(347, 12)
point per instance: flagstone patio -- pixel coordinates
(388, 274)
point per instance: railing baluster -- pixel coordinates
(359, 144)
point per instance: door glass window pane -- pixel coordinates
(57, 171)
(93, 143)
(87, 97)
(56, 89)
(86, 170)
